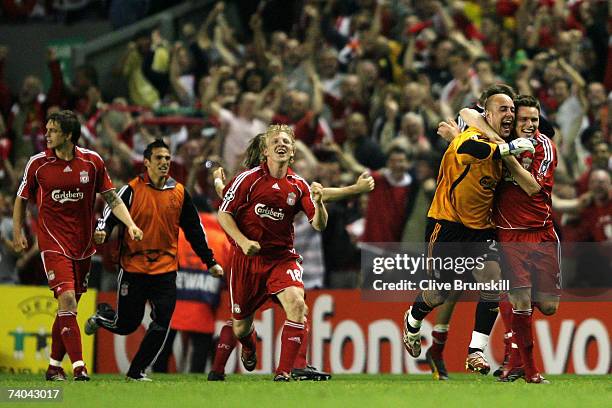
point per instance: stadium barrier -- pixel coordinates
(351, 336)
(27, 315)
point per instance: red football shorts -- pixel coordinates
(530, 259)
(65, 274)
(253, 280)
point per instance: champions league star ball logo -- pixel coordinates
(84, 176)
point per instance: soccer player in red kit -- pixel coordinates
(227, 341)
(529, 244)
(63, 180)
(257, 213)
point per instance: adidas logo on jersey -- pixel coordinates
(67, 169)
(275, 186)
(297, 339)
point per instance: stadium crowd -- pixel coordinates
(363, 83)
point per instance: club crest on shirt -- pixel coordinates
(291, 198)
(526, 162)
(488, 183)
(123, 291)
(84, 177)
(51, 275)
(236, 308)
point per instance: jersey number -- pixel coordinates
(296, 274)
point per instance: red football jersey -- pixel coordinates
(264, 207)
(65, 193)
(513, 208)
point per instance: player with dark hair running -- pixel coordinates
(148, 268)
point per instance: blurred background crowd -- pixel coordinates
(364, 84)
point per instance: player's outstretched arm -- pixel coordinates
(119, 210)
(364, 184)
(319, 221)
(227, 222)
(19, 240)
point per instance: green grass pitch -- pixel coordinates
(253, 391)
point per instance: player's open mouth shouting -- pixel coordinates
(506, 125)
(281, 151)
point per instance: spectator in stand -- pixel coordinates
(463, 89)
(365, 151)
(595, 225)
(141, 91)
(390, 204)
(437, 69)
(410, 137)
(597, 217)
(341, 108)
(237, 128)
(304, 115)
(27, 117)
(596, 105)
(600, 159)
(331, 78)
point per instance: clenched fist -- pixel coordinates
(99, 237)
(365, 183)
(316, 191)
(249, 247)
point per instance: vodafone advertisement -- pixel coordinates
(350, 335)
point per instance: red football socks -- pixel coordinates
(70, 334)
(505, 310)
(225, 345)
(300, 359)
(58, 350)
(523, 337)
(439, 336)
(291, 341)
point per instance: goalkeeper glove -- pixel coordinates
(516, 147)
